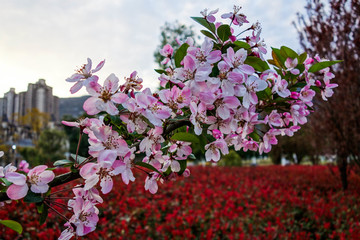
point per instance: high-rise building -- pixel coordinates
(38, 96)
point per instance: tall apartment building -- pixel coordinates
(38, 95)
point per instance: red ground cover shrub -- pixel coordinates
(273, 202)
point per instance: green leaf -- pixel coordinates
(185, 137)
(278, 58)
(242, 44)
(183, 164)
(32, 197)
(63, 162)
(44, 214)
(180, 54)
(148, 166)
(321, 65)
(302, 57)
(12, 225)
(6, 182)
(202, 21)
(298, 86)
(80, 159)
(192, 156)
(264, 94)
(224, 32)
(208, 34)
(254, 136)
(257, 63)
(288, 52)
(160, 71)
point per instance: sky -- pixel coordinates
(50, 39)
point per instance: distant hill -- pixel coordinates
(72, 106)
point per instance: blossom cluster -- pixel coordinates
(223, 89)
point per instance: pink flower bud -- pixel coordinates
(318, 83)
(295, 95)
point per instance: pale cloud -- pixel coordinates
(50, 38)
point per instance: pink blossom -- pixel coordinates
(91, 194)
(151, 182)
(213, 150)
(280, 87)
(274, 119)
(39, 178)
(205, 55)
(299, 113)
(126, 166)
(306, 95)
(236, 17)
(250, 145)
(152, 142)
(176, 98)
(182, 149)
(248, 91)
(209, 16)
(167, 52)
(132, 83)
(19, 188)
(327, 90)
(198, 116)
(104, 138)
(192, 72)
(225, 106)
(103, 171)
(84, 219)
(152, 109)
(103, 98)
(258, 46)
(236, 60)
(84, 76)
(290, 64)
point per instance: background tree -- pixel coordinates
(36, 120)
(170, 33)
(332, 30)
(51, 146)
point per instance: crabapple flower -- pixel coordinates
(84, 219)
(182, 149)
(280, 87)
(306, 95)
(103, 98)
(84, 76)
(327, 91)
(151, 182)
(290, 64)
(167, 52)
(205, 55)
(153, 141)
(39, 178)
(198, 116)
(236, 60)
(24, 166)
(104, 138)
(132, 83)
(248, 92)
(151, 108)
(19, 188)
(103, 171)
(236, 17)
(209, 17)
(258, 46)
(213, 150)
